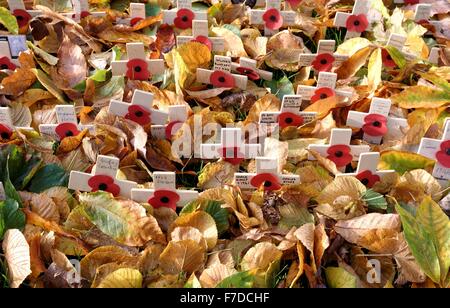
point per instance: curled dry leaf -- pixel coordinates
(122, 278)
(260, 256)
(17, 256)
(211, 276)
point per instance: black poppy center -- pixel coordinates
(137, 69)
(323, 61)
(222, 79)
(365, 181)
(19, 18)
(139, 114)
(184, 18)
(4, 67)
(165, 200)
(69, 133)
(4, 135)
(376, 123)
(289, 120)
(323, 96)
(356, 22)
(103, 186)
(338, 154)
(447, 151)
(267, 183)
(389, 57)
(273, 18)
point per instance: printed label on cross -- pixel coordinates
(102, 177)
(67, 124)
(200, 33)
(183, 15)
(398, 41)
(326, 84)
(231, 147)
(136, 14)
(439, 150)
(289, 115)
(178, 114)
(422, 16)
(10, 48)
(164, 192)
(137, 66)
(140, 110)
(339, 149)
(220, 76)
(272, 17)
(367, 171)
(2, 192)
(325, 58)
(376, 123)
(248, 68)
(356, 22)
(6, 124)
(267, 175)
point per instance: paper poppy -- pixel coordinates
(6, 64)
(137, 69)
(184, 19)
(64, 130)
(273, 19)
(135, 20)
(221, 79)
(104, 183)
(84, 14)
(368, 178)
(443, 156)
(286, 119)
(340, 155)
(267, 180)
(357, 23)
(22, 17)
(375, 125)
(5, 132)
(138, 114)
(323, 62)
(164, 198)
(387, 59)
(203, 40)
(172, 128)
(231, 155)
(249, 72)
(322, 93)
(411, 2)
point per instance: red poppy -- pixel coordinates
(138, 114)
(64, 130)
(6, 64)
(294, 3)
(231, 155)
(164, 198)
(443, 156)
(104, 183)
(273, 19)
(249, 72)
(368, 178)
(322, 93)
(22, 17)
(375, 125)
(137, 69)
(203, 40)
(357, 23)
(221, 79)
(411, 2)
(286, 119)
(5, 132)
(340, 155)
(387, 59)
(268, 180)
(84, 14)
(323, 62)
(135, 20)
(172, 128)
(184, 19)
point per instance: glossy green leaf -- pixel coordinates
(11, 217)
(337, 277)
(8, 20)
(374, 200)
(49, 176)
(404, 161)
(238, 280)
(397, 56)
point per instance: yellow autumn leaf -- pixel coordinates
(354, 63)
(194, 55)
(260, 256)
(401, 161)
(375, 66)
(351, 46)
(421, 97)
(182, 256)
(123, 278)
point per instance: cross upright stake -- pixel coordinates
(183, 15)
(325, 58)
(272, 17)
(200, 33)
(248, 68)
(355, 22)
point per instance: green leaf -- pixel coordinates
(116, 84)
(28, 171)
(152, 10)
(404, 161)
(238, 280)
(11, 217)
(219, 214)
(294, 216)
(421, 97)
(397, 56)
(48, 83)
(99, 76)
(16, 161)
(280, 87)
(120, 5)
(337, 277)
(47, 177)
(374, 200)
(8, 20)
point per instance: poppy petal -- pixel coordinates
(104, 183)
(6, 64)
(5, 132)
(273, 19)
(357, 23)
(375, 125)
(267, 180)
(443, 156)
(323, 62)
(387, 59)
(368, 178)
(137, 69)
(203, 40)
(250, 73)
(322, 93)
(164, 198)
(135, 20)
(22, 16)
(138, 114)
(184, 19)
(172, 128)
(221, 79)
(286, 119)
(64, 130)
(340, 154)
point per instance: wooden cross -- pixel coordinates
(325, 58)
(339, 149)
(137, 66)
(6, 124)
(398, 41)
(289, 115)
(136, 14)
(220, 76)
(81, 10)
(2, 192)
(376, 123)
(164, 187)
(183, 15)
(267, 175)
(272, 17)
(102, 177)
(423, 13)
(10, 48)
(355, 22)
(439, 150)
(326, 84)
(200, 29)
(140, 110)
(178, 114)
(67, 124)
(247, 66)
(18, 5)
(231, 147)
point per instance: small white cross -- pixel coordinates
(381, 107)
(136, 12)
(136, 52)
(290, 105)
(265, 165)
(177, 114)
(2, 192)
(223, 64)
(423, 13)
(11, 46)
(398, 41)
(256, 16)
(81, 10)
(200, 28)
(6, 120)
(432, 148)
(324, 47)
(144, 100)
(245, 63)
(104, 172)
(169, 16)
(361, 7)
(163, 181)
(325, 82)
(231, 146)
(64, 114)
(19, 5)
(339, 137)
